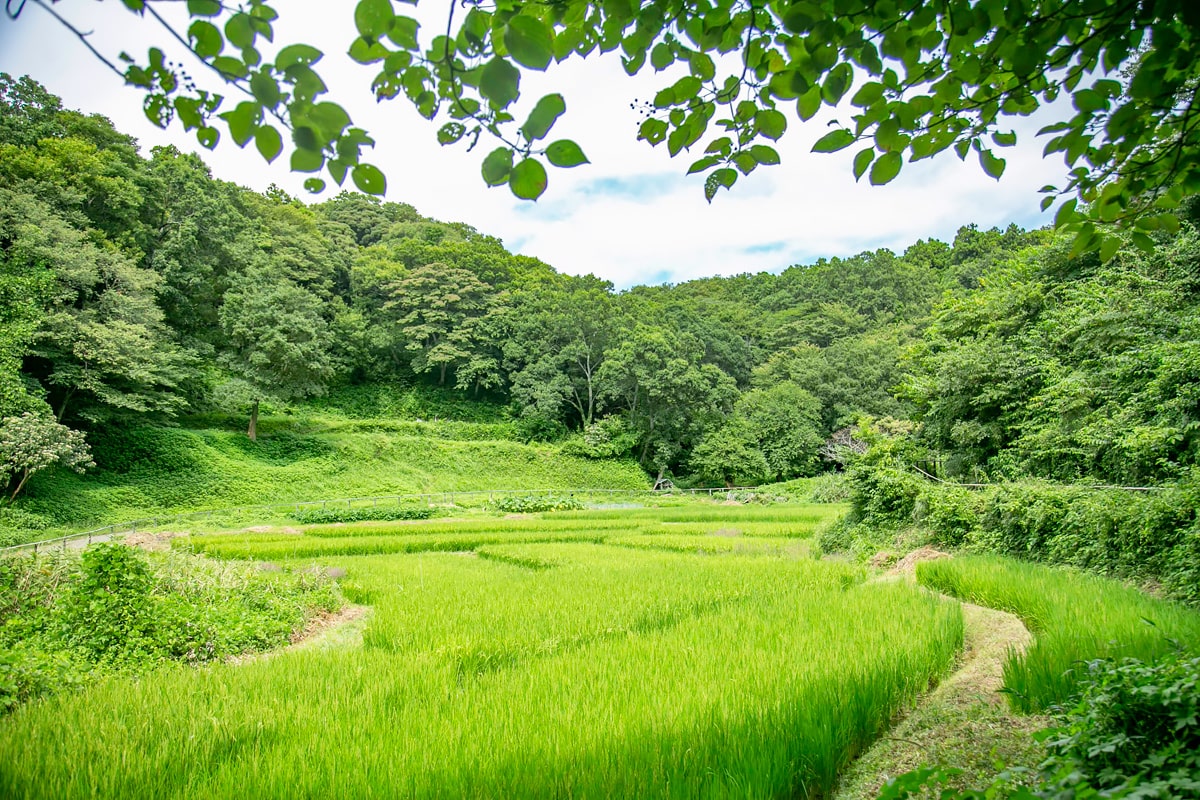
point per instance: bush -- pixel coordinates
(529, 504)
(70, 617)
(951, 513)
(320, 516)
(1133, 731)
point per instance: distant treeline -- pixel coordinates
(136, 290)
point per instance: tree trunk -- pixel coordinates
(20, 485)
(252, 431)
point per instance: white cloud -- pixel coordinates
(630, 216)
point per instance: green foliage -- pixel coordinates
(73, 617)
(914, 78)
(30, 443)
(1133, 731)
(385, 513)
(529, 504)
(1065, 368)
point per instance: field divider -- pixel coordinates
(107, 532)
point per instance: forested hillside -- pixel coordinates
(139, 293)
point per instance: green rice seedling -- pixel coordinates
(484, 525)
(714, 544)
(710, 678)
(1075, 616)
(701, 511)
(293, 547)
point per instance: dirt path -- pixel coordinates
(964, 722)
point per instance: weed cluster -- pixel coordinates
(71, 617)
(321, 516)
(1132, 731)
(530, 504)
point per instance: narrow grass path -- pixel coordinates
(965, 722)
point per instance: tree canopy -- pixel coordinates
(910, 79)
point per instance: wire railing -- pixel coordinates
(107, 532)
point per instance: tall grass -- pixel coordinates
(1075, 617)
(604, 672)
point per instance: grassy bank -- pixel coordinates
(150, 471)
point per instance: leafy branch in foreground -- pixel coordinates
(922, 77)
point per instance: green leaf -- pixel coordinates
(497, 166)
(403, 32)
(764, 155)
(686, 88)
(295, 54)
(867, 95)
(269, 142)
(230, 67)
(451, 132)
(1005, 139)
(565, 153)
(837, 83)
(1066, 213)
(726, 177)
(203, 8)
(205, 38)
(314, 185)
(330, 118)
(834, 141)
(369, 179)
(661, 56)
(992, 165)
(528, 179)
(862, 161)
(886, 167)
(531, 44)
(544, 115)
(239, 30)
(264, 88)
(1089, 100)
(703, 164)
(1109, 247)
(242, 121)
(373, 18)
(365, 51)
(809, 103)
(208, 137)
(307, 161)
(771, 123)
(499, 82)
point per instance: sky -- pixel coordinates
(631, 216)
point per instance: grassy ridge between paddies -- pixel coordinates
(602, 672)
(170, 470)
(727, 529)
(1075, 617)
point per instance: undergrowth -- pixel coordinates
(69, 617)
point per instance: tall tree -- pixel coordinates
(436, 310)
(278, 340)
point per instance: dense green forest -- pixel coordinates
(139, 295)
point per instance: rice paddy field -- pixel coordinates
(696, 651)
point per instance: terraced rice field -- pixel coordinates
(684, 652)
